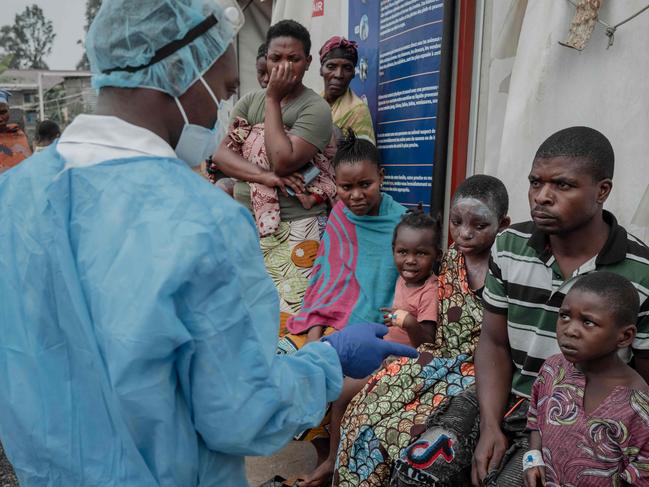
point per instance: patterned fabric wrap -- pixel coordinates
(289, 255)
(392, 409)
(348, 285)
(350, 112)
(606, 447)
(460, 309)
(248, 140)
(14, 147)
(290, 343)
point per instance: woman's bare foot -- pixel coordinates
(321, 476)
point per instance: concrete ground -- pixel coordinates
(296, 459)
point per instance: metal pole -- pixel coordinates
(41, 102)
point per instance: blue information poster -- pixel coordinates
(400, 51)
(363, 23)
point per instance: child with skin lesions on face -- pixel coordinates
(589, 411)
(478, 212)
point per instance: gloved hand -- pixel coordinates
(361, 348)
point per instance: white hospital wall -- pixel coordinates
(531, 87)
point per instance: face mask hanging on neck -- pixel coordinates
(197, 143)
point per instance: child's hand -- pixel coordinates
(307, 199)
(534, 477)
(387, 315)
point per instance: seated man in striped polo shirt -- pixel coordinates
(533, 265)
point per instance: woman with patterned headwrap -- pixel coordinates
(338, 59)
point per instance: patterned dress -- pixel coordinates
(289, 255)
(384, 418)
(608, 447)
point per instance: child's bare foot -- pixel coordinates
(321, 476)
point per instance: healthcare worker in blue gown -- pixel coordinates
(137, 323)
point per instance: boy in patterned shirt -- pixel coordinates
(589, 411)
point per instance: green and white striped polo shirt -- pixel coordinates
(526, 284)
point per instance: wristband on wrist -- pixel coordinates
(398, 317)
(532, 458)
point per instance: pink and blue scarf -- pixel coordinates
(354, 274)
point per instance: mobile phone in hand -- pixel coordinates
(309, 172)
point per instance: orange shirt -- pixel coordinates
(14, 147)
(420, 302)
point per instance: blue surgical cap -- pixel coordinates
(135, 43)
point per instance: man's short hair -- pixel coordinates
(584, 143)
(47, 130)
(616, 291)
(290, 28)
(488, 189)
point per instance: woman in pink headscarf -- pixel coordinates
(338, 59)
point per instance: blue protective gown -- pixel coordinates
(139, 329)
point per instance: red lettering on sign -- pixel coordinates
(318, 8)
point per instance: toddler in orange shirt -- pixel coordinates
(413, 315)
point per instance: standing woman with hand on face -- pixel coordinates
(274, 134)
